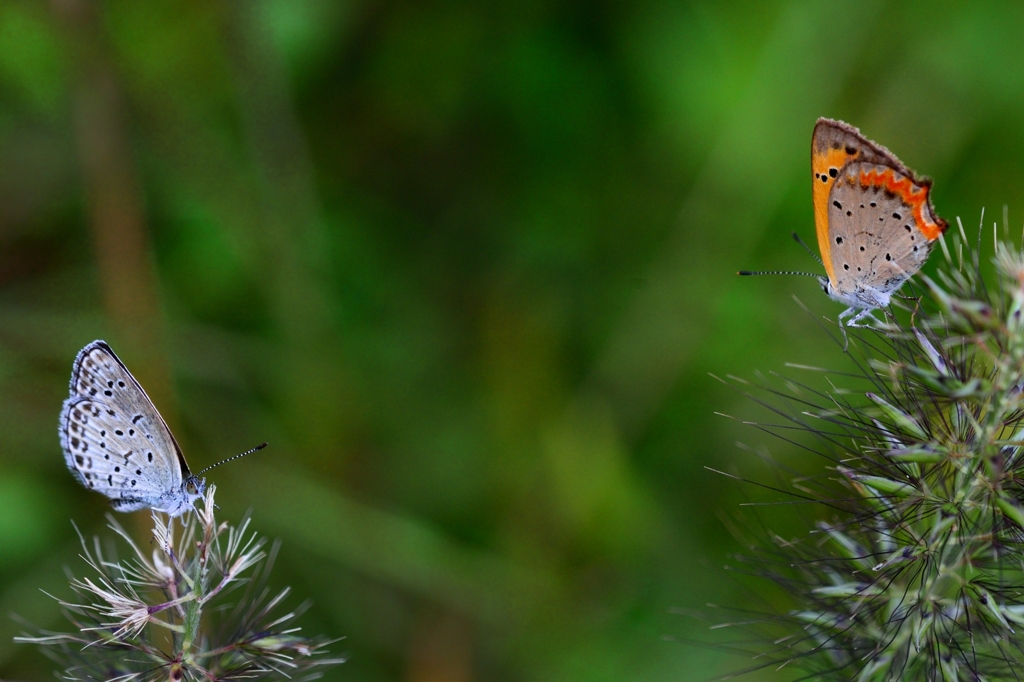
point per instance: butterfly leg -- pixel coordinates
(866, 312)
(855, 315)
(842, 327)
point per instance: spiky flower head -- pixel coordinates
(915, 569)
(197, 607)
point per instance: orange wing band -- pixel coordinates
(820, 165)
(917, 200)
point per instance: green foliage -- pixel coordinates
(916, 573)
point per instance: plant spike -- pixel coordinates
(915, 569)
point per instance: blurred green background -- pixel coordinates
(467, 267)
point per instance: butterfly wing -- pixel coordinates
(835, 144)
(114, 439)
(881, 228)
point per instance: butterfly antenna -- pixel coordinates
(789, 272)
(225, 461)
(777, 272)
(808, 249)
